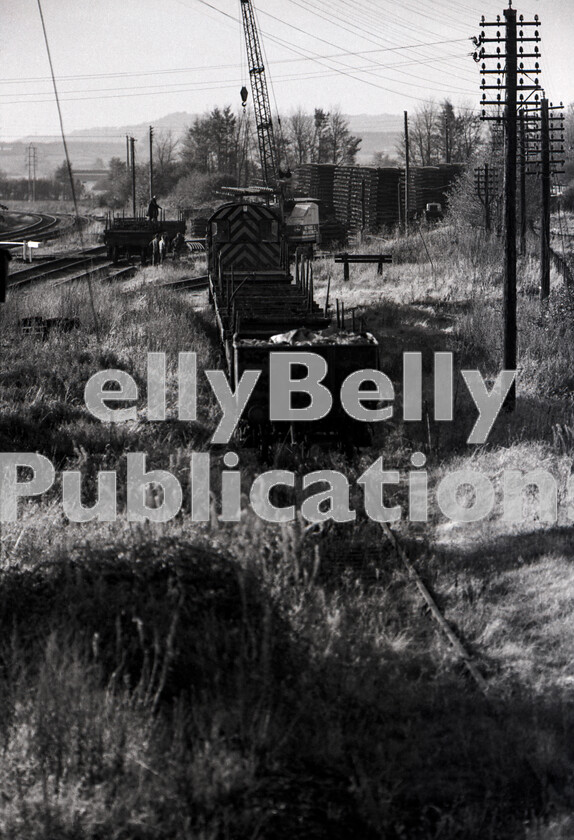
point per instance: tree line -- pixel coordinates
(221, 147)
(56, 188)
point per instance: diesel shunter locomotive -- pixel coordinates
(260, 309)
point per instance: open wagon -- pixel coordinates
(127, 236)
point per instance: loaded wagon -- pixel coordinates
(344, 353)
(126, 237)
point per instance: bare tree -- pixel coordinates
(442, 135)
(343, 145)
(301, 130)
(424, 135)
(383, 159)
(165, 161)
(320, 152)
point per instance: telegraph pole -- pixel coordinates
(32, 158)
(151, 162)
(407, 172)
(363, 215)
(133, 163)
(486, 199)
(522, 183)
(509, 300)
(509, 86)
(545, 220)
(485, 181)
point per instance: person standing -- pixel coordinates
(153, 209)
(163, 242)
(155, 252)
(5, 257)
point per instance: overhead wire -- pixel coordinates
(374, 69)
(391, 26)
(374, 63)
(211, 67)
(69, 165)
(372, 25)
(350, 71)
(221, 84)
(346, 70)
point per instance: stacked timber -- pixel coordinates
(372, 201)
(342, 196)
(372, 198)
(431, 184)
(315, 180)
(389, 192)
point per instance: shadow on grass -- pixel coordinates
(507, 552)
(260, 732)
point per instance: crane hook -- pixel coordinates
(244, 96)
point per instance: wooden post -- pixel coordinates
(522, 184)
(509, 300)
(545, 220)
(362, 209)
(133, 162)
(327, 295)
(407, 172)
(311, 285)
(486, 200)
(151, 162)
(345, 268)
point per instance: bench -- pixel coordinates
(379, 259)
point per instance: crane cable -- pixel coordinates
(281, 147)
(69, 165)
(243, 133)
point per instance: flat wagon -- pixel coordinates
(127, 237)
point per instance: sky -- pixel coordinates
(123, 62)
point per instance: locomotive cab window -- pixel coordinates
(268, 230)
(220, 230)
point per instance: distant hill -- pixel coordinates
(360, 123)
(177, 123)
(86, 154)
(93, 147)
(377, 141)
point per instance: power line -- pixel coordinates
(159, 88)
(72, 186)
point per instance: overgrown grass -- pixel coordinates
(245, 680)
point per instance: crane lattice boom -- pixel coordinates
(263, 119)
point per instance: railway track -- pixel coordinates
(188, 284)
(58, 266)
(40, 226)
(446, 630)
(70, 269)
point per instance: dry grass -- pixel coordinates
(244, 680)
